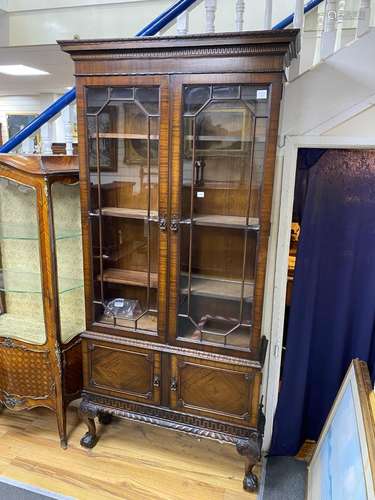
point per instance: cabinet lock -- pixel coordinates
(174, 384)
(156, 382)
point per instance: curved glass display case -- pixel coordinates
(41, 284)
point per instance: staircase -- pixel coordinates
(335, 36)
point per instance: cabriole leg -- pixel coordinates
(87, 414)
(61, 425)
(250, 449)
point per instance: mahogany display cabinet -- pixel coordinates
(177, 140)
(41, 284)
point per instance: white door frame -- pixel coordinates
(277, 261)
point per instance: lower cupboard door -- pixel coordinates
(121, 371)
(215, 390)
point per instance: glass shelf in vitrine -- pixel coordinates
(123, 153)
(224, 138)
(22, 231)
(19, 281)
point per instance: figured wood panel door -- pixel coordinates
(223, 150)
(215, 390)
(122, 371)
(125, 121)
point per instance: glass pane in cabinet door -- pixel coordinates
(69, 261)
(21, 301)
(224, 141)
(123, 158)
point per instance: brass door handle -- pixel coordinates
(162, 223)
(174, 223)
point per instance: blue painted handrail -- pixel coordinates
(289, 19)
(40, 120)
(165, 18)
(151, 29)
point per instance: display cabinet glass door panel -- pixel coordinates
(69, 262)
(21, 292)
(223, 152)
(123, 126)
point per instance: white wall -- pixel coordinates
(28, 105)
(42, 22)
(360, 125)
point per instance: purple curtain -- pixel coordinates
(332, 314)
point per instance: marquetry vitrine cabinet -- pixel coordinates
(41, 284)
(177, 140)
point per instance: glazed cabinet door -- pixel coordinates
(222, 172)
(215, 390)
(126, 372)
(126, 126)
(21, 274)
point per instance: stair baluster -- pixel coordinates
(46, 138)
(340, 24)
(240, 9)
(298, 22)
(363, 17)
(27, 147)
(268, 14)
(182, 25)
(210, 6)
(329, 31)
(66, 114)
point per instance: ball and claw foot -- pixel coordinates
(88, 440)
(250, 482)
(105, 418)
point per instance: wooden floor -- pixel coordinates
(131, 461)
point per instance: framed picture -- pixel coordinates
(135, 142)
(220, 131)
(17, 122)
(343, 464)
(107, 141)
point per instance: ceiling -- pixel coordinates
(49, 58)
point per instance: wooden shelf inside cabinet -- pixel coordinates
(129, 277)
(129, 213)
(226, 221)
(215, 287)
(118, 135)
(240, 338)
(147, 322)
(221, 138)
(221, 185)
